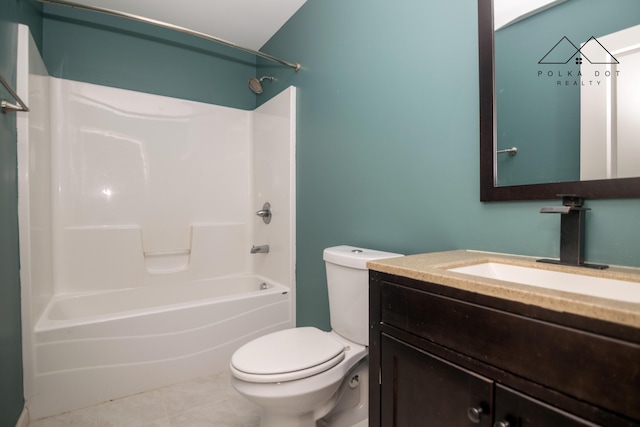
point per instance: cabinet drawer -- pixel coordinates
(420, 389)
(592, 368)
(519, 410)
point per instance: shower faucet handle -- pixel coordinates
(265, 213)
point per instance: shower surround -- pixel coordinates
(137, 214)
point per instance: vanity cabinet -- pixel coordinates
(444, 357)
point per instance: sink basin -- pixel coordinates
(614, 289)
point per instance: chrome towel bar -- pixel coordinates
(8, 106)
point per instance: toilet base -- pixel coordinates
(353, 406)
(352, 409)
(347, 404)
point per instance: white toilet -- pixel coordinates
(305, 377)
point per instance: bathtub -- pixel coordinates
(91, 348)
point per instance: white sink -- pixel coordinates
(621, 290)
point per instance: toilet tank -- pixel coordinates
(348, 284)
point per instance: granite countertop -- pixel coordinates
(432, 267)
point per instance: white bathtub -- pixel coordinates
(94, 347)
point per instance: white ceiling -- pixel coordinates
(248, 23)
(507, 12)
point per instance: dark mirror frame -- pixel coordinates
(596, 189)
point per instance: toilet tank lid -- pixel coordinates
(354, 257)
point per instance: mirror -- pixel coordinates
(490, 132)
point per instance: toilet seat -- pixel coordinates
(287, 355)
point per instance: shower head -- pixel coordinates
(256, 84)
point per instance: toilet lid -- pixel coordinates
(287, 355)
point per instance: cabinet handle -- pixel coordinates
(501, 424)
(474, 414)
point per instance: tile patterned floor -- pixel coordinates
(203, 402)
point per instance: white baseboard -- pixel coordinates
(23, 421)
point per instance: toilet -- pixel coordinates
(306, 377)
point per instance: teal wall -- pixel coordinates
(388, 137)
(110, 51)
(548, 139)
(11, 389)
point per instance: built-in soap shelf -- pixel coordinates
(159, 262)
(95, 258)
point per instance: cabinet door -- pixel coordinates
(514, 409)
(419, 389)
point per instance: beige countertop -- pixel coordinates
(432, 267)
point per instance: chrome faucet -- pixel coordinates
(262, 249)
(572, 231)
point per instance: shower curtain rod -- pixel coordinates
(205, 36)
(8, 106)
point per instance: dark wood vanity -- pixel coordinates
(447, 357)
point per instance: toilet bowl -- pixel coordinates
(312, 394)
(306, 377)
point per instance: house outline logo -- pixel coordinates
(559, 51)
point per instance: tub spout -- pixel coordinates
(262, 249)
